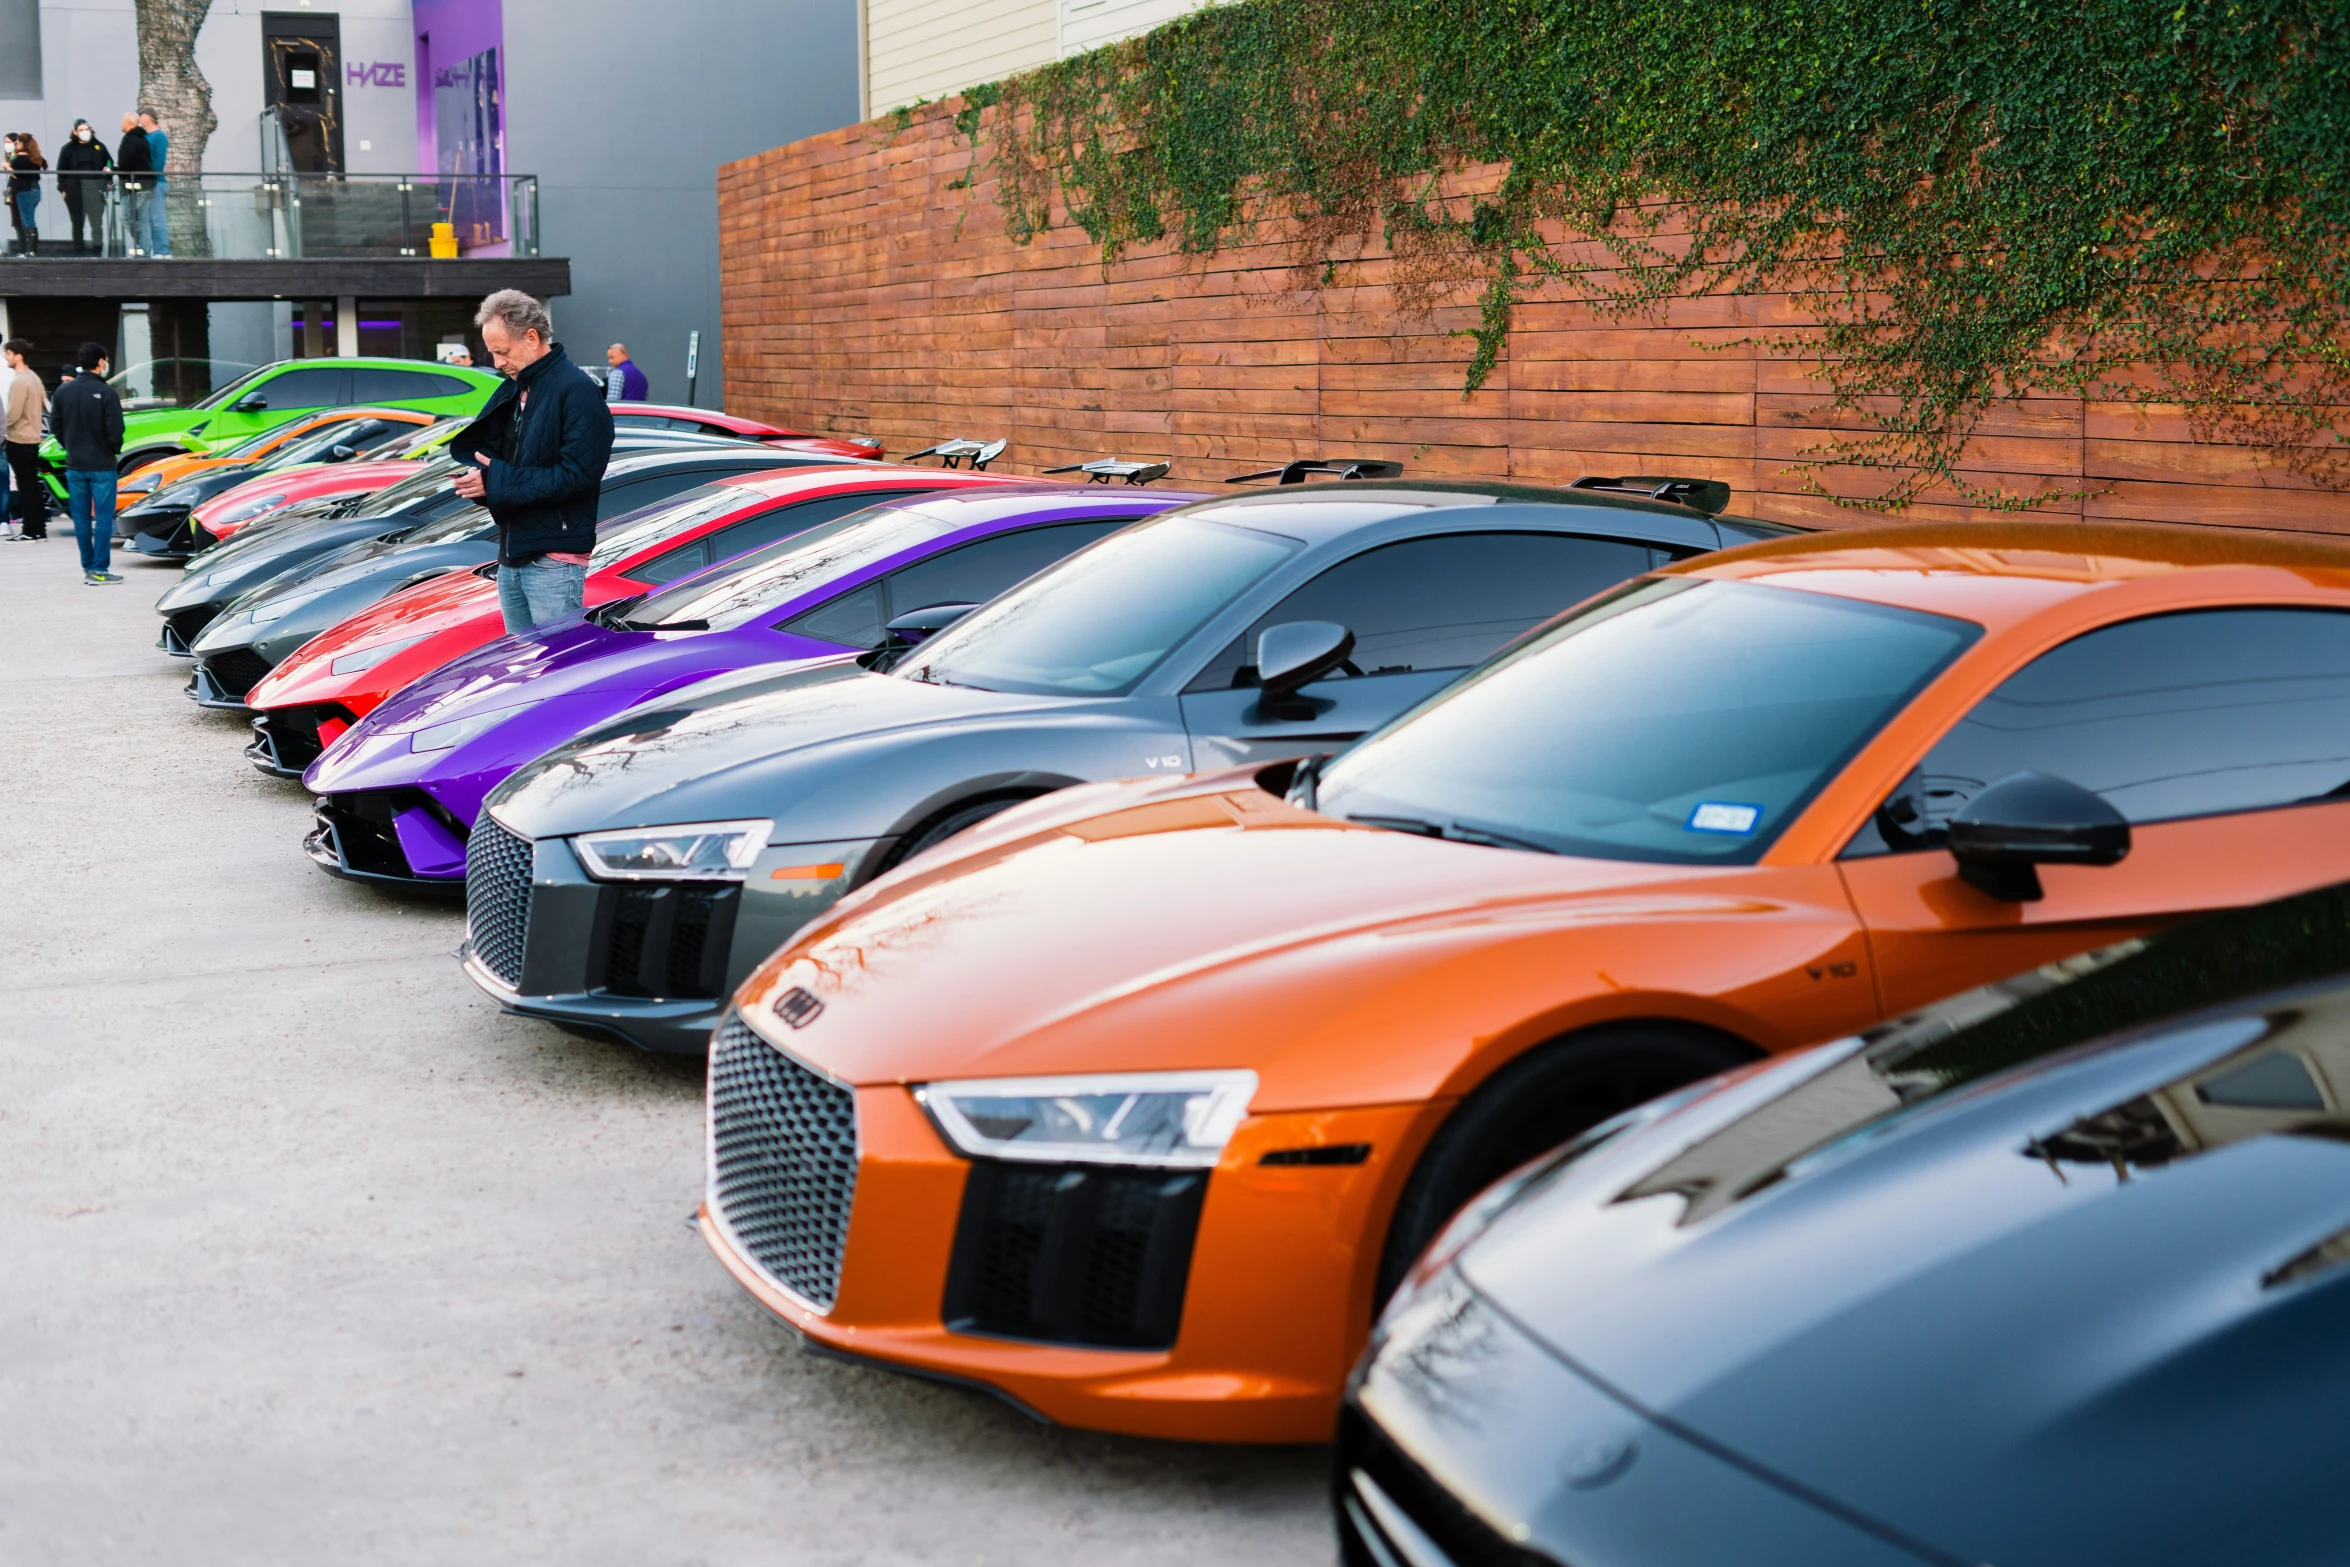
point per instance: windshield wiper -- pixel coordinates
(610, 616)
(1456, 831)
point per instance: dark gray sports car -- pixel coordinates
(2054, 1273)
(248, 636)
(625, 882)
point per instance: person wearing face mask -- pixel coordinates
(81, 163)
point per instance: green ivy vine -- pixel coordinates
(1982, 199)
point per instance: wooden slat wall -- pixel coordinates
(863, 293)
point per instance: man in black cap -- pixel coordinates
(86, 418)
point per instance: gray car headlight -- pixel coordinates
(696, 851)
(279, 609)
(1151, 1118)
(368, 657)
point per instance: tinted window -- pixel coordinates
(1099, 623)
(375, 385)
(792, 567)
(1444, 602)
(2172, 716)
(656, 422)
(675, 564)
(1679, 721)
(781, 522)
(317, 388)
(972, 574)
(629, 494)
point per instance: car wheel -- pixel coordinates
(940, 828)
(1545, 1097)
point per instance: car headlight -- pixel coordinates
(443, 737)
(248, 509)
(368, 657)
(1150, 1118)
(280, 608)
(698, 851)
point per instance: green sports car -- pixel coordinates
(277, 392)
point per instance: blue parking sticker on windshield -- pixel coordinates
(1723, 816)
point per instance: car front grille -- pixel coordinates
(187, 624)
(497, 897)
(783, 1160)
(289, 735)
(1074, 1253)
(1381, 1494)
(236, 671)
(667, 940)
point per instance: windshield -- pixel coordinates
(631, 531)
(423, 442)
(750, 585)
(252, 445)
(1098, 622)
(424, 481)
(1683, 721)
(316, 444)
(233, 388)
(467, 520)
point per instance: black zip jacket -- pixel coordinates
(134, 156)
(548, 467)
(86, 416)
(78, 162)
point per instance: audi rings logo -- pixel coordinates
(797, 1008)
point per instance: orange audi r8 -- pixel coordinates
(1131, 1103)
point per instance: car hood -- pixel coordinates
(261, 554)
(728, 755)
(307, 482)
(445, 603)
(1996, 1317)
(337, 586)
(1191, 925)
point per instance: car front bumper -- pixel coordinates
(1214, 1305)
(384, 840)
(649, 962)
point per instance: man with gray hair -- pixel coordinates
(537, 453)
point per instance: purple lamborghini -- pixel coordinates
(399, 791)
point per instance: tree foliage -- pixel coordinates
(1982, 199)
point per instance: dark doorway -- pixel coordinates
(302, 72)
(57, 328)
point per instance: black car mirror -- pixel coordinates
(251, 403)
(912, 629)
(1297, 653)
(341, 453)
(2027, 820)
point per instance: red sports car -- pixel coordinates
(234, 510)
(708, 421)
(341, 674)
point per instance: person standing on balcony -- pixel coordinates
(133, 162)
(86, 418)
(25, 400)
(623, 381)
(81, 163)
(158, 209)
(25, 164)
(537, 451)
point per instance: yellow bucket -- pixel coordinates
(444, 241)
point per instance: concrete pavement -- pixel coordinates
(309, 1254)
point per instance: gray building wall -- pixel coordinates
(624, 110)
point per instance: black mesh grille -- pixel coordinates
(497, 897)
(668, 940)
(236, 671)
(783, 1160)
(1468, 1540)
(186, 623)
(291, 733)
(1074, 1254)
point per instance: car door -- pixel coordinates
(2223, 735)
(1422, 611)
(293, 391)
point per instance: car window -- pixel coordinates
(319, 442)
(672, 564)
(1443, 602)
(781, 522)
(658, 422)
(311, 388)
(629, 494)
(970, 574)
(1102, 620)
(375, 384)
(2192, 714)
(1682, 721)
(747, 587)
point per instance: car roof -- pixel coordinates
(1956, 568)
(747, 453)
(1317, 512)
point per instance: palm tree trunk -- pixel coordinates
(170, 84)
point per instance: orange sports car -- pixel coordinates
(381, 426)
(1131, 1103)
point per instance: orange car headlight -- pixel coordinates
(1166, 1119)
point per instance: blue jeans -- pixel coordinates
(540, 593)
(134, 219)
(28, 209)
(158, 221)
(89, 495)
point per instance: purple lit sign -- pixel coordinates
(376, 73)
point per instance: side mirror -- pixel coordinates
(341, 453)
(2027, 820)
(1297, 653)
(910, 630)
(251, 403)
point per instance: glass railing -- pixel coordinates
(273, 217)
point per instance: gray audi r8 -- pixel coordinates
(625, 882)
(2052, 1273)
(245, 640)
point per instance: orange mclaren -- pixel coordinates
(382, 423)
(1131, 1103)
